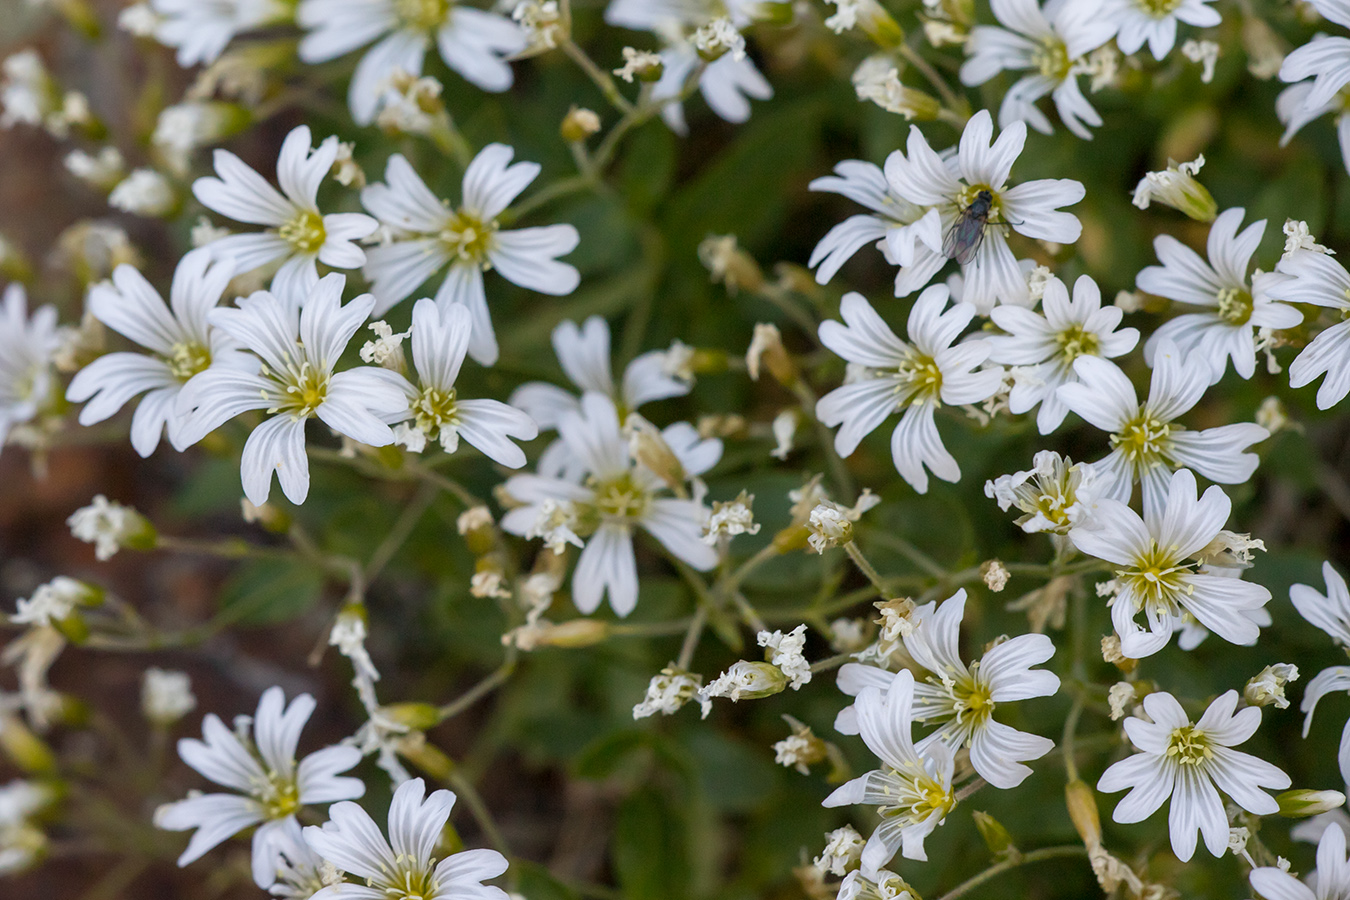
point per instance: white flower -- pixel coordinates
(201, 29)
(1206, 53)
(297, 231)
(300, 872)
(52, 602)
(914, 378)
(912, 789)
(263, 769)
(895, 228)
(474, 42)
(403, 865)
(1186, 762)
(1318, 279)
(431, 235)
(1294, 111)
(101, 171)
(294, 382)
(183, 127)
(1055, 493)
(1147, 443)
(166, 696)
(144, 192)
(110, 527)
(730, 519)
(669, 691)
(786, 651)
(1325, 60)
(28, 93)
(27, 379)
(1041, 347)
(1155, 21)
(843, 851)
(1233, 309)
(617, 495)
(440, 339)
(1177, 187)
(1157, 573)
(1051, 42)
(1330, 881)
(1331, 613)
(181, 342)
(584, 354)
(982, 164)
(1266, 688)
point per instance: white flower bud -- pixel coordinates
(166, 696)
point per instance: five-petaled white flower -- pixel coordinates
(983, 164)
(1157, 575)
(1233, 309)
(474, 42)
(403, 867)
(913, 378)
(912, 789)
(1050, 41)
(1331, 881)
(1319, 280)
(894, 227)
(1326, 61)
(617, 495)
(584, 354)
(1293, 111)
(1187, 762)
(294, 383)
(201, 29)
(1155, 22)
(181, 342)
(263, 769)
(440, 338)
(1147, 444)
(1041, 347)
(1331, 613)
(297, 232)
(27, 380)
(431, 235)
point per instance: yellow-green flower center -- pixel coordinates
(1235, 306)
(434, 409)
(621, 499)
(972, 700)
(1159, 8)
(917, 795)
(1075, 342)
(302, 389)
(187, 359)
(918, 380)
(305, 233)
(1157, 578)
(1143, 440)
(410, 881)
(422, 15)
(469, 237)
(1189, 746)
(1051, 58)
(280, 796)
(969, 193)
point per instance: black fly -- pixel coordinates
(967, 232)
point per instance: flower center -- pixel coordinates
(187, 359)
(422, 15)
(303, 389)
(280, 796)
(1158, 8)
(969, 193)
(468, 237)
(1143, 440)
(1075, 342)
(411, 880)
(1157, 579)
(1189, 746)
(1235, 306)
(305, 232)
(971, 698)
(620, 498)
(1051, 58)
(434, 409)
(917, 796)
(918, 380)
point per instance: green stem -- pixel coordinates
(997, 869)
(482, 688)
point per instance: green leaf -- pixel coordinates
(650, 849)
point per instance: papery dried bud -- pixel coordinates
(730, 265)
(731, 518)
(766, 348)
(669, 691)
(271, 517)
(477, 528)
(640, 64)
(843, 851)
(578, 125)
(995, 575)
(801, 749)
(1111, 653)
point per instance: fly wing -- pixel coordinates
(963, 239)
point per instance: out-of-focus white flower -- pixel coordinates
(201, 29)
(53, 602)
(1331, 613)
(144, 192)
(1317, 279)
(1330, 880)
(1189, 763)
(166, 696)
(27, 347)
(110, 527)
(264, 771)
(878, 79)
(640, 64)
(1141, 21)
(184, 127)
(1206, 53)
(542, 23)
(102, 171)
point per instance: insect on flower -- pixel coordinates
(967, 232)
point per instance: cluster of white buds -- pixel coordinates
(111, 526)
(669, 691)
(731, 518)
(717, 38)
(787, 652)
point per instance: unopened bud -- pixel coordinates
(475, 525)
(574, 634)
(269, 516)
(26, 750)
(767, 350)
(728, 264)
(1111, 653)
(651, 450)
(1176, 187)
(427, 757)
(996, 837)
(578, 125)
(1082, 804)
(416, 716)
(1299, 804)
(747, 680)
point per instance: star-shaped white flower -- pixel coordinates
(1041, 347)
(475, 43)
(201, 29)
(297, 232)
(913, 378)
(1326, 61)
(1331, 613)
(1233, 308)
(1155, 22)
(430, 236)
(1190, 764)
(181, 342)
(272, 786)
(402, 866)
(27, 378)
(1318, 279)
(1331, 880)
(1158, 576)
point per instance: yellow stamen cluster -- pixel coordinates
(422, 15)
(187, 359)
(305, 232)
(469, 237)
(1144, 440)
(1235, 306)
(1189, 746)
